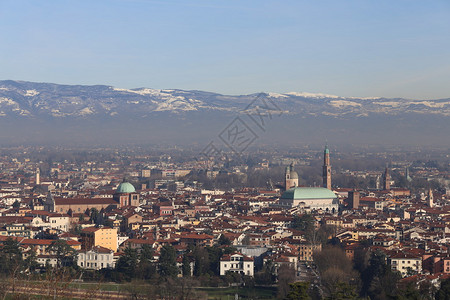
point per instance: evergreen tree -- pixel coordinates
(146, 267)
(10, 256)
(100, 219)
(30, 262)
(93, 215)
(66, 256)
(229, 250)
(379, 281)
(16, 204)
(223, 240)
(298, 291)
(410, 292)
(186, 267)
(201, 261)
(168, 262)
(127, 263)
(444, 291)
(343, 291)
(214, 254)
(304, 222)
(267, 275)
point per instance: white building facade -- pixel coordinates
(237, 263)
(96, 259)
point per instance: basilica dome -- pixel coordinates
(308, 193)
(312, 197)
(125, 187)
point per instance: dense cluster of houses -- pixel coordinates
(100, 220)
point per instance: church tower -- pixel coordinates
(326, 174)
(38, 176)
(387, 179)
(407, 177)
(291, 177)
(49, 203)
(430, 198)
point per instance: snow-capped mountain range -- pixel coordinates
(29, 99)
(39, 106)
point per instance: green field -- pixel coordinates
(228, 293)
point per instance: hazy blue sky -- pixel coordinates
(388, 48)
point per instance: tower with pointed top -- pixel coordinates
(386, 179)
(326, 174)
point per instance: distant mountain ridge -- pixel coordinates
(29, 99)
(40, 106)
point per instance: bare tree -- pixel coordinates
(335, 268)
(286, 275)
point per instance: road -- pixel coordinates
(308, 273)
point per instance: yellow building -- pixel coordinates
(99, 236)
(306, 251)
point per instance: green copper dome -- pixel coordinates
(126, 187)
(300, 193)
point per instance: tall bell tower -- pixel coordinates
(386, 179)
(38, 176)
(326, 174)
